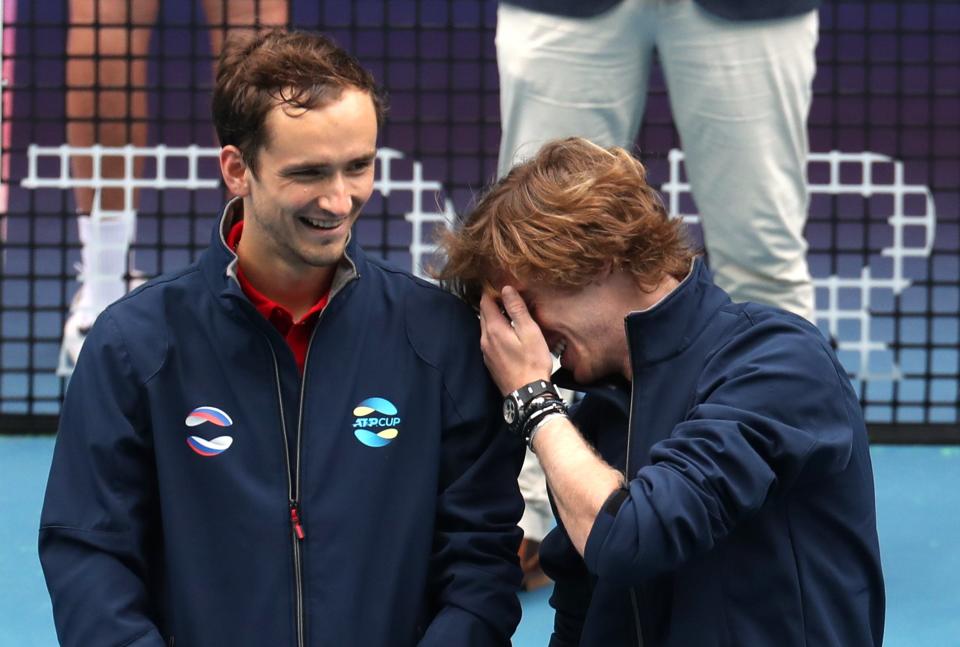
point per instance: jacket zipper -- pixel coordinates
(297, 528)
(293, 480)
(626, 477)
(293, 475)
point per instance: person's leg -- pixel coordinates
(106, 86)
(536, 522)
(8, 17)
(740, 94)
(561, 77)
(106, 104)
(230, 16)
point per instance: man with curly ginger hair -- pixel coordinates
(714, 486)
(288, 442)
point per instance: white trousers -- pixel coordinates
(537, 519)
(740, 94)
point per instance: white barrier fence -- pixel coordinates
(426, 213)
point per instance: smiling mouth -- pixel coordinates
(321, 223)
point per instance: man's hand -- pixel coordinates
(515, 354)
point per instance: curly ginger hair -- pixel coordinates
(566, 218)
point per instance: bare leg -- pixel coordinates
(227, 17)
(8, 17)
(107, 45)
(106, 79)
(107, 75)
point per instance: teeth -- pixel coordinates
(559, 348)
(321, 223)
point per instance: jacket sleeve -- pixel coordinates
(771, 409)
(572, 589)
(474, 570)
(99, 514)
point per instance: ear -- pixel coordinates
(234, 170)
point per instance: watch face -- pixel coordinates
(509, 411)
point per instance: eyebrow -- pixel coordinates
(299, 167)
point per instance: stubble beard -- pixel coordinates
(281, 229)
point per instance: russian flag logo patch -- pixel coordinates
(214, 416)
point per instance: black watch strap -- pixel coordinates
(526, 393)
(519, 405)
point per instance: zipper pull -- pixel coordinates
(295, 521)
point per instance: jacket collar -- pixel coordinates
(669, 327)
(219, 262)
(659, 332)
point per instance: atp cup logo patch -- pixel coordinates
(375, 422)
(214, 416)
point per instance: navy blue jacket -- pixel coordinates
(153, 534)
(749, 518)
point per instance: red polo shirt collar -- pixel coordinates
(296, 333)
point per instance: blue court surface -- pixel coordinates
(918, 505)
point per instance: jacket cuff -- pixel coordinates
(614, 550)
(601, 528)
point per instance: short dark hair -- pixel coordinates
(299, 69)
(563, 218)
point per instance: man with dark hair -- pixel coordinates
(286, 443)
(714, 487)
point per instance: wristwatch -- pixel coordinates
(517, 405)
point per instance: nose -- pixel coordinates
(336, 199)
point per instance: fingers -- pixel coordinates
(526, 328)
(513, 347)
(515, 306)
(489, 311)
(493, 325)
